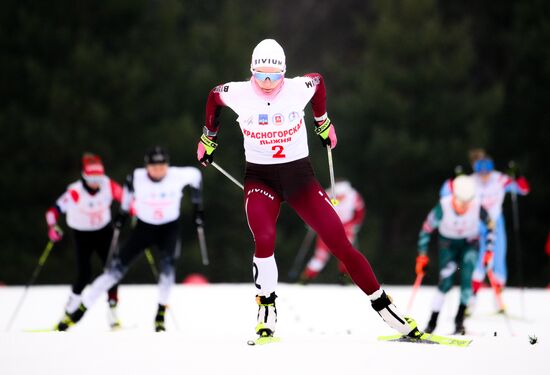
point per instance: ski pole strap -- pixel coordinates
(209, 144)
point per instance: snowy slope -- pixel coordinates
(324, 330)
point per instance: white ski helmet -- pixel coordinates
(268, 54)
(464, 188)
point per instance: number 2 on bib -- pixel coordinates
(278, 152)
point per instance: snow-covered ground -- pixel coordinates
(325, 329)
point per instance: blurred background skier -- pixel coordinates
(87, 206)
(351, 210)
(457, 217)
(155, 193)
(492, 187)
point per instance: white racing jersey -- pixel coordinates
(492, 192)
(456, 226)
(274, 129)
(158, 202)
(85, 211)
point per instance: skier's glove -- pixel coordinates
(205, 149)
(522, 183)
(120, 219)
(421, 263)
(326, 132)
(198, 218)
(55, 233)
(515, 173)
(488, 258)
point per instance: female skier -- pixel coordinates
(270, 111)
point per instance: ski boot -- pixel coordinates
(71, 319)
(383, 305)
(159, 319)
(112, 316)
(267, 315)
(459, 320)
(432, 323)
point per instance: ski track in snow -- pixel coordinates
(325, 329)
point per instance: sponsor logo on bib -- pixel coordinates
(262, 119)
(292, 116)
(278, 119)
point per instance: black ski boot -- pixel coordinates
(432, 323)
(70, 320)
(159, 319)
(459, 320)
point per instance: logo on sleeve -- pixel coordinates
(221, 88)
(262, 119)
(314, 81)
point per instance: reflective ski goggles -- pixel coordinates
(262, 76)
(483, 166)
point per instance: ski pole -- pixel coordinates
(226, 174)
(517, 243)
(331, 173)
(415, 288)
(112, 248)
(151, 261)
(31, 281)
(304, 247)
(154, 271)
(202, 245)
